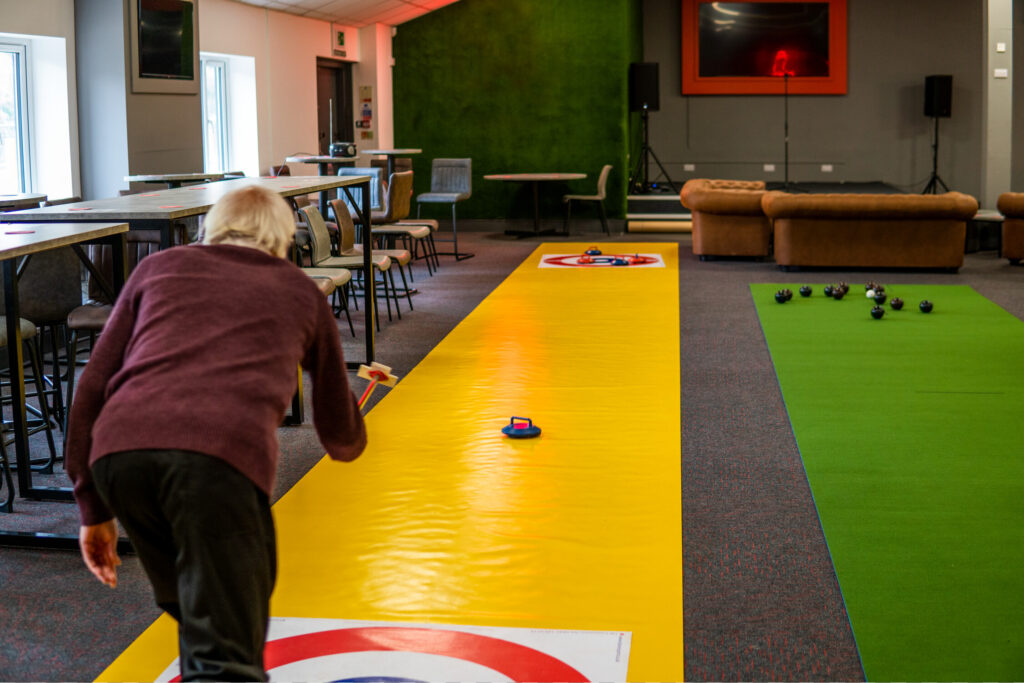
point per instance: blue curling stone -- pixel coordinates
(523, 429)
(593, 251)
(620, 262)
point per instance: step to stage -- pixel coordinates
(656, 213)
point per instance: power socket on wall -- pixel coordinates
(689, 168)
(826, 168)
(769, 168)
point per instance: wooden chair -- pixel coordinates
(602, 182)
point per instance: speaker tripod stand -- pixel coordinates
(935, 181)
(639, 180)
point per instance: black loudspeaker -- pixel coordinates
(643, 86)
(938, 96)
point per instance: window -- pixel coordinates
(15, 173)
(215, 115)
(228, 89)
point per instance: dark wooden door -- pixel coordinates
(333, 92)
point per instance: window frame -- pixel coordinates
(23, 103)
(221, 66)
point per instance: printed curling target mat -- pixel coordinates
(594, 257)
(343, 650)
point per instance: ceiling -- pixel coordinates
(355, 13)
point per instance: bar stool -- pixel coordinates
(42, 422)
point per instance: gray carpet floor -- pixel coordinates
(761, 601)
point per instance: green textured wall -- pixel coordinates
(519, 86)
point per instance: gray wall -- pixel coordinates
(102, 115)
(877, 131)
(1017, 157)
(121, 132)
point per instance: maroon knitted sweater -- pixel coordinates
(200, 354)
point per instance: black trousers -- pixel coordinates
(205, 537)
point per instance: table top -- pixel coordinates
(181, 202)
(525, 177)
(21, 200)
(317, 159)
(172, 177)
(19, 240)
(393, 152)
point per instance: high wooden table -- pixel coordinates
(173, 180)
(535, 179)
(21, 200)
(160, 210)
(18, 241)
(391, 154)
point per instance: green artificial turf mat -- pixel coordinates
(911, 430)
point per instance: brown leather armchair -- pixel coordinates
(727, 218)
(1011, 205)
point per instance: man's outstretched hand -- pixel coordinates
(99, 550)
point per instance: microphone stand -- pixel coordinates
(785, 125)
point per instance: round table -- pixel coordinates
(21, 200)
(535, 179)
(173, 180)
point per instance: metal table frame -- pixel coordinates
(14, 260)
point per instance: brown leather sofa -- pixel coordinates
(727, 218)
(869, 230)
(1011, 205)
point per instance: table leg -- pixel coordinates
(537, 232)
(536, 207)
(369, 286)
(324, 169)
(16, 369)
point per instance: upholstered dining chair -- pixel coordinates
(43, 423)
(89, 318)
(348, 247)
(451, 182)
(376, 174)
(602, 182)
(390, 225)
(333, 283)
(49, 288)
(320, 256)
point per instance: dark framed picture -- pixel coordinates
(764, 47)
(164, 46)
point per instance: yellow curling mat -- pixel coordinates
(444, 520)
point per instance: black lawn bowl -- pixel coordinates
(877, 312)
(805, 291)
(896, 303)
(926, 306)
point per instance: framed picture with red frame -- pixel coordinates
(764, 47)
